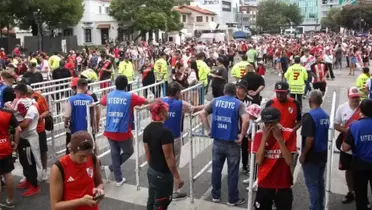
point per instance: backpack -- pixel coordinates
(49, 124)
(59, 165)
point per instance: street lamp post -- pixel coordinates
(37, 17)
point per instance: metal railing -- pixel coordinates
(51, 82)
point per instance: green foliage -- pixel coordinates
(146, 15)
(352, 14)
(272, 14)
(333, 20)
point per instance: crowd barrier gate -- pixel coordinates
(101, 142)
(50, 82)
(57, 109)
(194, 94)
(331, 145)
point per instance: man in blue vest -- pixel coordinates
(119, 113)
(6, 90)
(76, 109)
(226, 111)
(177, 109)
(359, 141)
(315, 125)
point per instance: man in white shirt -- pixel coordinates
(307, 60)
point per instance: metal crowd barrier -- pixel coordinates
(50, 82)
(101, 142)
(57, 136)
(143, 118)
(252, 170)
(331, 145)
(199, 144)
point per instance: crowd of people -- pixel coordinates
(303, 66)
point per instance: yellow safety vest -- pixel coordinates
(161, 70)
(296, 76)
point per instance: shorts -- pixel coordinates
(6, 165)
(43, 142)
(282, 198)
(345, 161)
(320, 86)
(104, 85)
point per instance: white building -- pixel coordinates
(96, 27)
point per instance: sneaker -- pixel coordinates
(237, 203)
(245, 181)
(179, 196)
(245, 171)
(7, 204)
(23, 185)
(31, 191)
(107, 172)
(216, 200)
(349, 197)
(247, 189)
(23, 179)
(44, 175)
(118, 184)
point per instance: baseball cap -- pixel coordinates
(353, 92)
(74, 81)
(254, 110)
(281, 87)
(81, 141)
(242, 84)
(270, 114)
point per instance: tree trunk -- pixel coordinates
(34, 29)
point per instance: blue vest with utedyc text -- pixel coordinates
(362, 133)
(321, 120)
(79, 103)
(2, 88)
(225, 118)
(174, 116)
(118, 111)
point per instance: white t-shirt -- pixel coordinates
(343, 113)
(32, 114)
(191, 79)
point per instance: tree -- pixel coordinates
(355, 16)
(146, 15)
(333, 20)
(272, 14)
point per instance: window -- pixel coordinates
(199, 19)
(107, 9)
(87, 35)
(68, 32)
(184, 18)
(212, 19)
(206, 19)
(100, 10)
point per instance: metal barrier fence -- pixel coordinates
(142, 118)
(50, 82)
(57, 107)
(101, 142)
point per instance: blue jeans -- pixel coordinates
(307, 82)
(118, 159)
(231, 151)
(314, 179)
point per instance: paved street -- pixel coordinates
(127, 197)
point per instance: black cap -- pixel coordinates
(281, 87)
(270, 114)
(242, 84)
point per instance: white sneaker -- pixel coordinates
(22, 180)
(245, 181)
(118, 184)
(44, 175)
(107, 172)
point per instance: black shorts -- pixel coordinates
(282, 198)
(6, 165)
(345, 161)
(320, 86)
(43, 142)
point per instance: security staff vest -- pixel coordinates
(79, 103)
(225, 118)
(362, 134)
(118, 111)
(174, 116)
(321, 120)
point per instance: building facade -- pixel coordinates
(96, 26)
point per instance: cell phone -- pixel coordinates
(98, 197)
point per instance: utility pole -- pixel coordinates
(37, 17)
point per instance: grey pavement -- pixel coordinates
(129, 198)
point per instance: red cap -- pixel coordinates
(74, 81)
(353, 92)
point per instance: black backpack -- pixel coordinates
(59, 165)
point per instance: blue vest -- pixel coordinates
(118, 114)
(2, 88)
(225, 118)
(321, 120)
(79, 104)
(362, 133)
(174, 116)
(370, 88)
